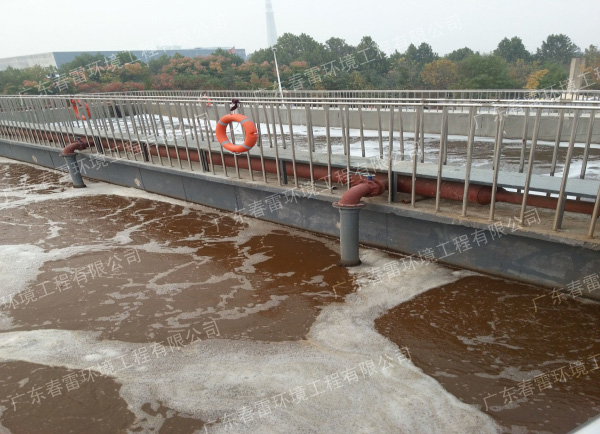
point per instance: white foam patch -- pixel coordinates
(214, 377)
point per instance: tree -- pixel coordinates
(372, 63)
(422, 55)
(460, 54)
(440, 74)
(485, 72)
(337, 48)
(533, 81)
(558, 48)
(404, 74)
(512, 50)
(156, 65)
(591, 73)
(406, 69)
(232, 57)
(82, 61)
(555, 78)
(291, 48)
(521, 70)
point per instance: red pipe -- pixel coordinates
(363, 188)
(577, 206)
(75, 146)
(480, 194)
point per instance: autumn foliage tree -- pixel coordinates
(440, 74)
(305, 63)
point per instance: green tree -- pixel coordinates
(156, 65)
(81, 61)
(591, 74)
(292, 48)
(337, 47)
(555, 78)
(558, 48)
(404, 73)
(485, 72)
(460, 54)
(512, 49)
(373, 63)
(422, 55)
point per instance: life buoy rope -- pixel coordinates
(249, 128)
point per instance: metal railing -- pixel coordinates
(467, 94)
(529, 148)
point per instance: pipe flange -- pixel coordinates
(349, 206)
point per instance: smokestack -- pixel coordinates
(271, 31)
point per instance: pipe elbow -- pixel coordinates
(363, 188)
(75, 146)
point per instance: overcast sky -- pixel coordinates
(37, 26)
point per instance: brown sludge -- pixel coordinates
(479, 335)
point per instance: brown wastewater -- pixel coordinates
(124, 311)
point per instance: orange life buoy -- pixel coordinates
(74, 104)
(249, 127)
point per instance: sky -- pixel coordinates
(38, 26)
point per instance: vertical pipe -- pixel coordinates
(349, 236)
(217, 117)
(168, 107)
(524, 143)
(422, 132)
(444, 136)
(594, 215)
(588, 140)
(559, 127)
(74, 171)
(415, 153)
(440, 159)
(390, 153)
(183, 132)
(362, 130)
(267, 124)
(241, 109)
(277, 161)
(208, 130)
(562, 197)
(347, 125)
(328, 143)
(291, 131)
(499, 139)
(470, 144)
(536, 129)
(342, 126)
(379, 133)
(255, 108)
(154, 126)
(281, 127)
(162, 123)
(401, 134)
(114, 136)
(310, 144)
(126, 127)
(232, 134)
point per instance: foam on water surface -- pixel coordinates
(215, 377)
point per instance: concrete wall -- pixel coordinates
(59, 58)
(524, 256)
(21, 62)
